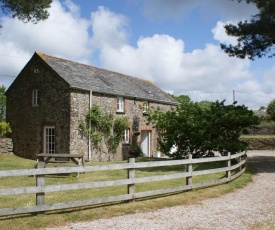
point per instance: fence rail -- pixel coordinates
(40, 189)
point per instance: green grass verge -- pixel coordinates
(61, 217)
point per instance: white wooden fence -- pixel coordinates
(40, 189)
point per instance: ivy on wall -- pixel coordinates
(105, 130)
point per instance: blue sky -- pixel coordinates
(174, 43)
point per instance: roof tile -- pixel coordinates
(104, 81)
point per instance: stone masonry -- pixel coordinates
(6, 146)
(64, 102)
(26, 121)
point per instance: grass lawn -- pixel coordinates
(56, 218)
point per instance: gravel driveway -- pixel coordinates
(252, 207)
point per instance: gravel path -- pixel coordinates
(252, 207)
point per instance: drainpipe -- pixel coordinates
(89, 128)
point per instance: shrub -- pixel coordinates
(136, 149)
(5, 129)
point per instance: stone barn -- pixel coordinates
(51, 97)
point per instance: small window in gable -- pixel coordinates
(145, 107)
(126, 136)
(35, 98)
(120, 105)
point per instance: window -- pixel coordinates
(35, 97)
(126, 136)
(120, 104)
(145, 107)
(49, 139)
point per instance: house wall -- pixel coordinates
(64, 108)
(27, 121)
(79, 107)
(107, 104)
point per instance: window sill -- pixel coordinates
(118, 112)
(126, 144)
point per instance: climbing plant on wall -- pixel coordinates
(105, 130)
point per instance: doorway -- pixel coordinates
(145, 142)
(49, 139)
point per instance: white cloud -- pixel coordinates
(63, 34)
(109, 29)
(203, 74)
(73, 8)
(160, 58)
(220, 34)
(12, 61)
(146, 61)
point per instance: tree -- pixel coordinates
(270, 110)
(5, 128)
(256, 38)
(26, 11)
(2, 103)
(205, 104)
(202, 131)
(183, 99)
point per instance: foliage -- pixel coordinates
(119, 125)
(105, 129)
(136, 149)
(205, 104)
(202, 131)
(256, 38)
(5, 129)
(2, 103)
(183, 99)
(270, 110)
(26, 11)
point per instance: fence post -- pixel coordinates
(131, 175)
(40, 181)
(228, 173)
(240, 160)
(189, 168)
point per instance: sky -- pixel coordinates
(175, 44)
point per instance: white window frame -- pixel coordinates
(126, 136)
(35, 97)
(120, 104)
(145, 106)
(49, 139)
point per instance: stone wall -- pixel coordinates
(63, 109)
(6, 146)
(260, 143)
(262, 130)
(28, 121)
(137, 119)
(80, 102)
(107, 103)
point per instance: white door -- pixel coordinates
(145, 142)
(49, 139)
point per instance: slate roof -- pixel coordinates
(87, 77)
